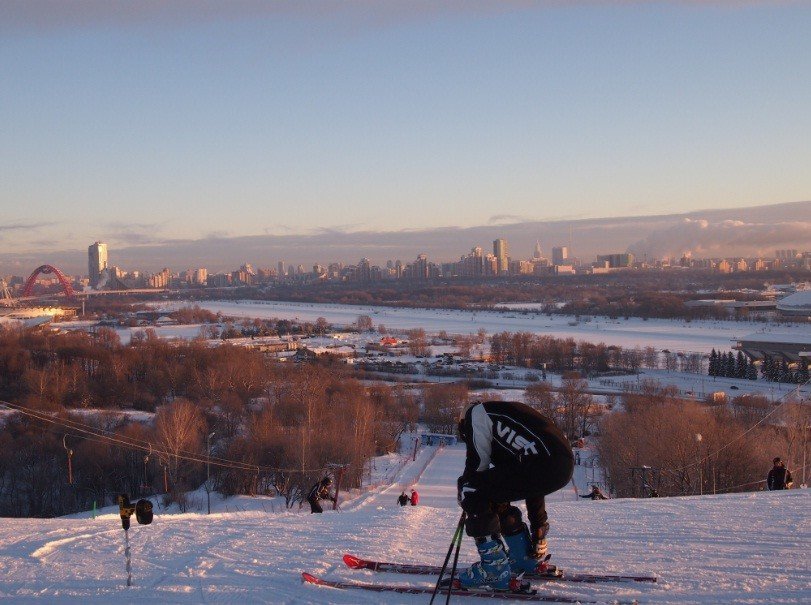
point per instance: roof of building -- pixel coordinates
(799, 301)
(793, 339)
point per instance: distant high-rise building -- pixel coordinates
(617, 261)
(96, 261)
(500, 252)
(281, 270)
(560, 254)
(537, 254)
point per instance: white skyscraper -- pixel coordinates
(96, 261)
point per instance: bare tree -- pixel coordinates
(364, 323)
(179, 428)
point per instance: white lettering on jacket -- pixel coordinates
(515, 440)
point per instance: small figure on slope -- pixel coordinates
(415, 497)
(513, 453)
(595, 494)
(320, 491)
(779, 477)
(402, 499)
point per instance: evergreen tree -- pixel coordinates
(784, 372)
(751, 372)
(740, 365)
(713, 366)
(768, 368)
(803, 373)
(730, 365)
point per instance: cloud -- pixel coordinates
(702, 237)
(132, 234)
(24, 226)
(505, 218)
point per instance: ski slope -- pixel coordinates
(742, 548)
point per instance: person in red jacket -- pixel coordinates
(415, 497)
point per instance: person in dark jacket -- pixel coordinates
(595, 494)
(320, 491)
(513, 453)
(779, 477)
(402, 499)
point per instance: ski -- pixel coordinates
(482, 593)
(354, 562)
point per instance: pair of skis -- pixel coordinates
(405, 568)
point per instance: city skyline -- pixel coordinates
(164, 123)
(709, 234)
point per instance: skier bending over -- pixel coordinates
(513, 453)
(595, 494)
(319, 491)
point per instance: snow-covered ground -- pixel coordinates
(675, 335)
(741, 548)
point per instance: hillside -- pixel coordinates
(737, 548)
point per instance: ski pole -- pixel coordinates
(453, 569)
(456, 535)
(127, 557)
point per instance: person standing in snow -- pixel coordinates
(779, 477)
(513, 453)
(402, 499)
(319, 491)
(415, 498)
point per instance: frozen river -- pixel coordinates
(675, 335)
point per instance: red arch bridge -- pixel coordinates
(47, 270)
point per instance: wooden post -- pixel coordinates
(338, 486)
(70, 455)
(416, 445)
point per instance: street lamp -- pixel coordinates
(208, 470)
(700, 466)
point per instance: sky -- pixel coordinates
(152, 123)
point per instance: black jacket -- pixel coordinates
(503, 433)
(319, 491)
(779, 478)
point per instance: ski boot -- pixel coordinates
(493, 570)
(539, 547)
(522, 554)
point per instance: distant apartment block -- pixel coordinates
(617, 261)
(560, 255)
(500, 254)
(96, 262)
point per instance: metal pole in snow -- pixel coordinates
(416, 445)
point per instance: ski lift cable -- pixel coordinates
(127, 442)
(783, 400)
(130, 442)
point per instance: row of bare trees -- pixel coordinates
(690, 448)
(272, 428)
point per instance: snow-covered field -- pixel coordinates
(741, 548)
(675, 335)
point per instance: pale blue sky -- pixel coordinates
(161, 121)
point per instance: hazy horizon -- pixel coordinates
(757, 231)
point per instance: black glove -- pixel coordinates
(464, 489)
